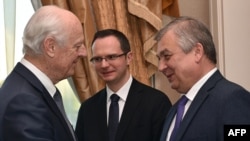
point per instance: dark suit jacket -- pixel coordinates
(141, 120)
(28, 112)
(219, 102)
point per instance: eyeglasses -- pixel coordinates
(108, 58)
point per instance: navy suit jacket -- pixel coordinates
(28, 112)
(142, 118)
(219, 102)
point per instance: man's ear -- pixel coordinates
(129, 57)
(198, 51)
(49, 46)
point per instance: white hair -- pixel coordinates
(46, 21)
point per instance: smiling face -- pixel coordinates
(113, 72)
(177, 66)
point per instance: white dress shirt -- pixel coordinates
(122, 93)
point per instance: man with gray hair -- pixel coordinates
(52, 44)
(210, 102)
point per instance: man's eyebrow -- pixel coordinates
(164, 51)
(79, 43)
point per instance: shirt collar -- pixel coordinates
(122, 92)
(44, 79)
(196, 87)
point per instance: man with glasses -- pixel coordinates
(140, 109)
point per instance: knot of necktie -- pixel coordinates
(57, 96)
(114, 98)
(59, 102)
(183, 100)
(58, 99)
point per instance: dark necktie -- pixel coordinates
(58, 99)
(113, 116)
(179, 114)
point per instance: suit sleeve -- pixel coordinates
(236, 108)
(27, 119)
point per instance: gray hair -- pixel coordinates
(44, 23)
(189, 32)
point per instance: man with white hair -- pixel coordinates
(52, 44)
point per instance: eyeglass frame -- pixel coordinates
(107, 58)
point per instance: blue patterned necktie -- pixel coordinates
(179, 114)
(113, 116)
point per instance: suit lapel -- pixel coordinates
(49, 100)
(199, 99)
(29, 76)
(131, 105)
(102, 116)
(42, 92)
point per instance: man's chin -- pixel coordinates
(173, 86)
(70, 73)
(107, 80)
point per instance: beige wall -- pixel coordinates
(233, 31)
(229, 23)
